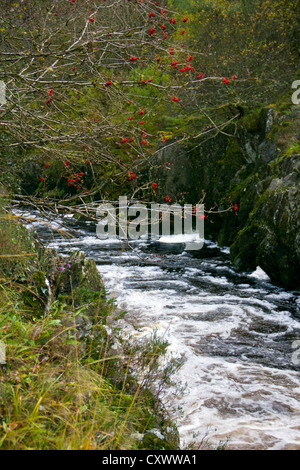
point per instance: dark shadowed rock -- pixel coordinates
(256, 169)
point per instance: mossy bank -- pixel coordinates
(248, 179)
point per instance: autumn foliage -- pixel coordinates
(80, 74)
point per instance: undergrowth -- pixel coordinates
(66, 381)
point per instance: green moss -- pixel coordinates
(251, 119)
(243, 250)
(153, 442)
(40, 279)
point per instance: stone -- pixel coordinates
(256, 170)
(79, 271)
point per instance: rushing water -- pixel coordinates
(238, 333)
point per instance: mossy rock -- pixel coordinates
(78, 272)
(86, 271)
(243, 250)
(164, 437)
(152, 442)
(39, 279)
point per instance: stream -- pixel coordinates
(239, 333)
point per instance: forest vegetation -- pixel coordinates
(95, 90)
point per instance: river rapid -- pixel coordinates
(239, 333)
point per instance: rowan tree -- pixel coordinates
(96, 87)
(91, 81)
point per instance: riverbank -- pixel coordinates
(248, 179)
(64, 378)
(236, 332)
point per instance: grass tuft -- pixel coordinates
(63, 384)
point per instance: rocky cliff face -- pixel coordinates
(257, 168)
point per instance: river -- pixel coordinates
(239, 333)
